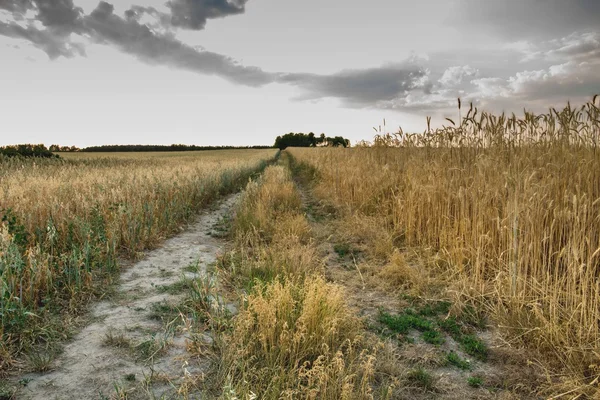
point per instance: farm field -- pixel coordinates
(461, 263)
(67, 222)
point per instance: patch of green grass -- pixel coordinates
(176, 288)
(402, 323)
(454, 359)
(421, 378)
(450, 326)
(475, 381)
(433, 337)
(436, 308)
(408, 320)
(474, 346)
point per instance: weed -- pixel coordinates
(402, 323)
(474, 346)
(421, 378)
(112, 339)
(40, 360)
(344, 249)
(454, 359)
(475, 381)
(176, 288)
(433, 337)
(150, 348)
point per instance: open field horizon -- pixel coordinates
(280, 200)
(475, 245)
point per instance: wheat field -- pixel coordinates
(66, 223)
(508, 207)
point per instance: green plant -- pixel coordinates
(421, 378)
(454, 359)
(475, 381)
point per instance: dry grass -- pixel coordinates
(509, 206)
(295, 336)
(66, 222)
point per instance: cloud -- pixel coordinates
(154, 43)
(360, 88)
(53, 44)
(455, 76)
(193, 14)
(554, 69)
(140, 41)
(521, 19)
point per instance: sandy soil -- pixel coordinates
(107, 357)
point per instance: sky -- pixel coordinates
(241, 72)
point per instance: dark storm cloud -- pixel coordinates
(523, 19)
(361, 87)
(192, 14)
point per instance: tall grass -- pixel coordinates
(66, 222)
(510, 205)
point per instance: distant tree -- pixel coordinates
(27, 150)
(308, 140)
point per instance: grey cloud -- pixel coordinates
(140, 41)
(519, 19)
(193, 14)
(60, 14)
(53, 45)
(150, 44)
(60, 17)
(362, 87)
(16, 6)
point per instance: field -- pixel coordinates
(67, 222)
(462, 262)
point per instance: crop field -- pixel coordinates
(66, 222)
(460, 263)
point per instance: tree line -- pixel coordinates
(27, 150)
(309, 140)
(172, 147)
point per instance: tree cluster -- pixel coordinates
(27, 150)
(55, 148)
(309, 140)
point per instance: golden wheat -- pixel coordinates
(511, 207)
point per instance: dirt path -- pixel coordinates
(131, 346)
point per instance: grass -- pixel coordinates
(420, 378)
(294, 335)
(454, 359)
(119, 340)
(475, 381)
